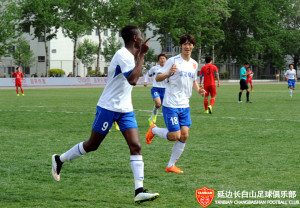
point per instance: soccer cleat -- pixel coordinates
(206, 112)
(22, 94)
(154, 119)
(18, 95)
(210, 109)
(240, 101)
(173, 169)
(249, 101)
(56, 167)
(150, 135)
(117, 126)
(145, 196)
(151, 121)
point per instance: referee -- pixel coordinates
(243, 83)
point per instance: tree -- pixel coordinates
(110, 47)
(9, 18)
(45, 19)
(86, 51)
(22, 55)
(77, 22)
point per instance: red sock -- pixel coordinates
(22, 90)
(205, 103)
(212, 101)
(17, 91)
(251, 87)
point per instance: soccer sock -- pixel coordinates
(212, 101)
(176, 152)
(17, 91)
(22, 90)
(73, 153)
(251, 87)
(240, 95)
(247, 96)
(161, 132)
(137, 166)
(154, 112)
(291, 92)
(205, 103)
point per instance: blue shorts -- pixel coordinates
(176, 117)
(105, 118)
(158, 92)
(291, 83)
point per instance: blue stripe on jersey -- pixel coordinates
(201, 75)
(126, 74)
(118, 71)
(216, 73)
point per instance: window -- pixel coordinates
(105, 32)
(89, 68)
(41, 39)
(41, 58)
(53, 51)
(105, 70)
(12, 49)
(96, 32)
(120, 34)
(11, 70)
(27, 70)
(26, 28)
(89, 32)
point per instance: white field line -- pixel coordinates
(148, 111)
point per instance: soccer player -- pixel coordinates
(291, 77)
(115, 105)
(249, 77)
(158, 88)
(243, 83)
(181, 72)
(209, 71)
(18, 81)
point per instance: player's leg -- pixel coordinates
(213, 93)
(22, 90)
(100, 129)
(207, 91)
(251, 84)
(129, 128)
(156, 98)
(241, 91)
(17, 89)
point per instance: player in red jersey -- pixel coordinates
(249, 77)
(208, 71)
(18, 81)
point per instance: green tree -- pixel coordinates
(110, 47)
(76, 22)
(86, 52)
(22, 55)
(45, 19)
(9, 18)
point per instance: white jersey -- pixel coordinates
(116, 95)
(179, 85)
(154, 71)
(291, 74)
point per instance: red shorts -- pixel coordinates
(249, 80)
(210, 90)
(19, 84)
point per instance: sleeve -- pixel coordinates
(285, 73)
(196, 70)
(22, 76)
(126, 64)
(201, 72)
(166, 67)
(146, 76)
(216, 71)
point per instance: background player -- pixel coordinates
(291, 77)
(243, 83)
(158, 88)
(249, 77)
(181, 72)
(209, 71)
(115, 105)
(18, 81)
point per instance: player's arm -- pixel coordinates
(201, 77)
(146, 79)
(133, 77)
(196, 87)
(162, 76)
(218, 78)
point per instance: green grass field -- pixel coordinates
(240, 147)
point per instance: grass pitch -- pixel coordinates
(240, 147)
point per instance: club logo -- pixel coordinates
(204, 196)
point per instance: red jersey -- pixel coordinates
(18, 75)
(209, 71)
(249, 74)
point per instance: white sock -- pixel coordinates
(176, 152)
(291, 91)
(137, 166)
(154, 112)
(74, 152)
(161, 132)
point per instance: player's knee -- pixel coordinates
(173, 136)
(135, 149)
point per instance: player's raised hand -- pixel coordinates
(173, 70)
(145, 46)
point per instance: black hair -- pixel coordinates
(290, 65)
(17, 68)
(208, 59)
(246, 63)
(187, 37)
(162, 54)
(128, 32)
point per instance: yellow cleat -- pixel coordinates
(18, 95)
(22, 94)
(206, 112)
(117, 126)
(210, 109)
(173, 169)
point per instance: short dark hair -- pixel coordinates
(128, 32)
(162, 54)
(290, 65)
(208, 59)
(246, 63)
(17, 68)
(187, 37)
